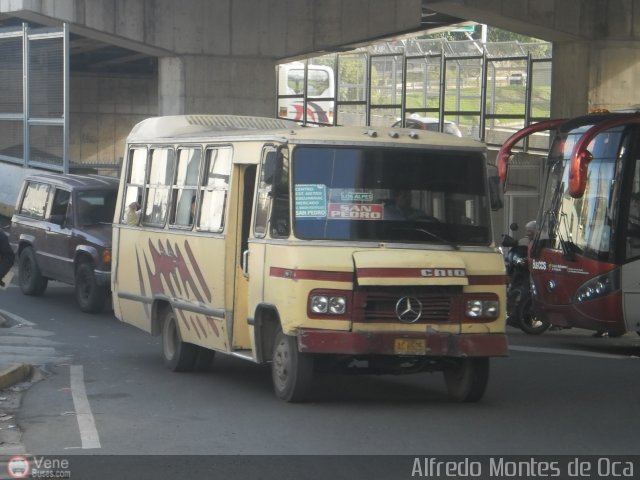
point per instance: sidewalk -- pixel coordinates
(11, 374)
(17, 372)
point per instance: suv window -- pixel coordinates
(34, 203)
(95, 206)
(59, 206)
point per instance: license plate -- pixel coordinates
(410, 346)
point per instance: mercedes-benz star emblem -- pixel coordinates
(408, 309)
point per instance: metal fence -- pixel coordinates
(488, 90)
(34, 107)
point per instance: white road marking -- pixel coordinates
(575, 353)
(86, 423)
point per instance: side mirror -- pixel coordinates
(495, 189)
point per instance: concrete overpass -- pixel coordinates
(131, 59)
(596, 45)
(219, 56)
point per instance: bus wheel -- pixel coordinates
(31, 280)
(467, 379)
(291, 371)
(90, 296)
(178, 355)
(204, 359)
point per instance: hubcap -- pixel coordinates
(281, 364)
(85, 289)
(170, 339)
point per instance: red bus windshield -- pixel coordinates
(584, 225)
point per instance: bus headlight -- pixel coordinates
(598, 287)
(482, 309)
(327, 303)
(319, 304)
(337, 305)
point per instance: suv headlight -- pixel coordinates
(598, 287)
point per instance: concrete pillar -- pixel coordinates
(201, 84)
(614, 76)
(171, 86)
(570, 73)
(593, 75)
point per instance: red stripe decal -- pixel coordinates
(488, 280)
(193, 324)
(294, 274)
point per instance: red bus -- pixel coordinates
(585, 258)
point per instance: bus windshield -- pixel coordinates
(390, 194)
(582, 225)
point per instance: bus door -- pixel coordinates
(241, 334)
(631, 295)
(630, 275)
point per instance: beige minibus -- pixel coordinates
(348, 248)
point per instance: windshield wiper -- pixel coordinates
(431, 234)
(567, 246)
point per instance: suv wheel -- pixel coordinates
(31, 280)
(90, 296)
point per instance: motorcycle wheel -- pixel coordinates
(529, 322)
(514, 294)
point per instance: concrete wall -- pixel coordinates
(103, 110)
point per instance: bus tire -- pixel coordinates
(178, 356)
(31, 280)
(204, 359)
(90, 296)
(467, 378)
(291, 371)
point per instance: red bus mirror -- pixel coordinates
(581, 156)
(502, 160)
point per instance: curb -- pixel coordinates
(15, 374)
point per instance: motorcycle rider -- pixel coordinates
(519, 302)
(529, 232)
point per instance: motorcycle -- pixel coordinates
(520, 312)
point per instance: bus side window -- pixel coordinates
(136, 177)
(157, 193)
(264, 191)
(183, 196)
(214, 190)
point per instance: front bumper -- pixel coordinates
(384, 343)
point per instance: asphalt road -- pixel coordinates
(105, 391)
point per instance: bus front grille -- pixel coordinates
(387, 306)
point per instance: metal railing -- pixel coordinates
(489, 90)
(34, 102)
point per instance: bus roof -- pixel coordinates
(232, 127)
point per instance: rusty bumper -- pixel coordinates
(385, 343)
